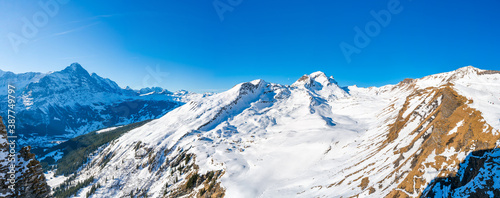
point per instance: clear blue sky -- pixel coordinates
(188, 45)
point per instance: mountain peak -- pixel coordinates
(468, 70)
(317, 74)
(76, 68)
(318, 77)
(257, 81)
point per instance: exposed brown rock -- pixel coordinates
(488, 72)
(441, 111)
(371, 190)
(407, 81)
(445, 117)
(364, 183)
(211, 187)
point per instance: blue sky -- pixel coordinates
(187, 45)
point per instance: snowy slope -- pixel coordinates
(310, 139)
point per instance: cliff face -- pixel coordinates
(30, 180)
(478, 176)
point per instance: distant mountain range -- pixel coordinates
(56, 106)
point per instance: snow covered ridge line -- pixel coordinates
(246, 93)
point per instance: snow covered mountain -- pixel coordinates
(56, 106)
(435, 136)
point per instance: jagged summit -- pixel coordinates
(75, 65)
(469, 67)
(465, 71)
(315, 78)
(76, 68)
(320, 84)
(245, 88)
(257, 81)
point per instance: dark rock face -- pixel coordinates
(478, 176)
(30, 180)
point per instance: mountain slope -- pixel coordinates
(310, 139)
